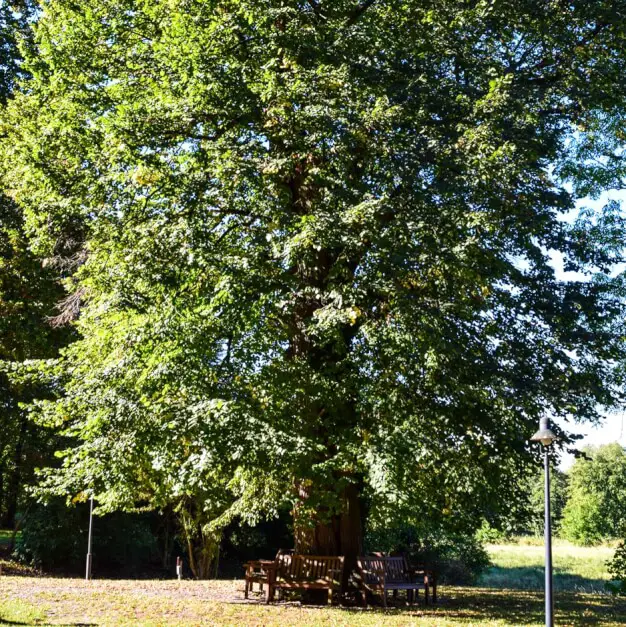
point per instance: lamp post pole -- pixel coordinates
(548, 540)
(547, 437)
(88, 567)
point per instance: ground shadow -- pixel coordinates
(533, 578)
(515, 607)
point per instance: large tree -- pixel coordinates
(317, 241)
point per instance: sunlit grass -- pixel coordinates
(18, 612)
(509, 594)
(107, 602)
(521, 566)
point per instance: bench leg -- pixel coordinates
(426, 594)
(245, 590)
(269, 595)
(384, 598)
(330, 596)
(364, 598)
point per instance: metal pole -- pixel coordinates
(88, 568)
(548, 542)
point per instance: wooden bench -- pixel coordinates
(305, 572)
(378, 575)
(258, 571)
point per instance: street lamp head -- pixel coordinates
(545, 434)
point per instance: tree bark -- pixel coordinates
(339, 534)
(14, 482)
(2, 471)
(202, 546)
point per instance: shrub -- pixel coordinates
(458, 558)
(491, 535)
(54, 537)
(617, 570)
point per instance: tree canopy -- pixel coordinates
(314, 246)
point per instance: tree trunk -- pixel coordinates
(202, 544)
(2, 471)
(14, 482)
(339, 534)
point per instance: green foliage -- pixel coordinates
(54, 537)
(315, 244)
(559, 483)
(596, 506)
(29, 293)
(487, 534)
(617, 569)
(14, 25)
(457, 558)
(526, 515)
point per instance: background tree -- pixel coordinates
(318, 243)
(559, 482)
(29, 293)
(596, 505)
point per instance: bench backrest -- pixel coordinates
(376, 570)
(372, 569)
(396, 570)
(309, 568)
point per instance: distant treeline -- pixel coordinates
(588, 501)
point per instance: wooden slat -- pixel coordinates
(308, 572)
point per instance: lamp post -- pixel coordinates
(88, 566)
(547, 437)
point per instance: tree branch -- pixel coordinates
(358, 12)
(315, 6)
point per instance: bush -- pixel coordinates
(597, 492)
(54, 537)
(491, 535)
(617, 570)
(457, 558)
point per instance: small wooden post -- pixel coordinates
(179, 568)
(89, 556)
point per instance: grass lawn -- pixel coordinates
(29, 600)
(520, 566)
